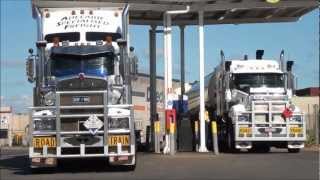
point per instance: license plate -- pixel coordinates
(80, 99)
(39, 142)
(295, 130)
(122, 139)
(245, 130)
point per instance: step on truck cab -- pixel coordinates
(82, 88)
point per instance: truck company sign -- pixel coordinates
(87, 21)
(62, 20)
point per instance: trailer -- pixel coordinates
(250, 99)
(82, 85)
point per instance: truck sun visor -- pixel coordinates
(69, 36)
(96, 36)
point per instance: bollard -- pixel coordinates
(157, 136)
(170, 146)
(214, 137)
(196, 133)
(172, 138)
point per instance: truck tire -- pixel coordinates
(293, 150)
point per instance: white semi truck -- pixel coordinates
(82, 84)
(251, 101)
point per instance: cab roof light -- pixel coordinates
(81, 11)
(73, 12)
(55, 41)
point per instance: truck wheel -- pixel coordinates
(293, 150)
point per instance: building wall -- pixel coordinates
(19, 129)
(5, 119)
(15, 126)
(309, 105)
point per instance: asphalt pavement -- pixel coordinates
(275, 165)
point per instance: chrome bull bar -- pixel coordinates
(58, 133)
(270, 112)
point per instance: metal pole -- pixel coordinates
(165, 56)
(168, 75)
(182, 66)
(169, 41)
(153, 96)
(202, 147)
(172, 141)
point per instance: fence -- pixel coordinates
(312, 118)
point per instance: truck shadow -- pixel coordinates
(19, 165)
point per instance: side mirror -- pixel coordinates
(30, 69)
(30, 51)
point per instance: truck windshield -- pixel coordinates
(95, 66)
(244, 82)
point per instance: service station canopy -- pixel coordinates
(150, 12)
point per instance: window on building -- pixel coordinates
(3, 133)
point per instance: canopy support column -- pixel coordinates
(170, 141)
(182, 64)
(155, 139)
(202, 147)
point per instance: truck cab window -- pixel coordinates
(100, 65)
(244, 82)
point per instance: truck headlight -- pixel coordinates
(49, 98)
(296, 118)
(119, 123)
(243, 118)
(44, 125)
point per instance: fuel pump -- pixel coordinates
(171, 122)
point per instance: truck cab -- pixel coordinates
(82, 92)
(255, 104)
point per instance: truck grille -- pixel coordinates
(87, 84)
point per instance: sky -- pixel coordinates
(300, 40)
